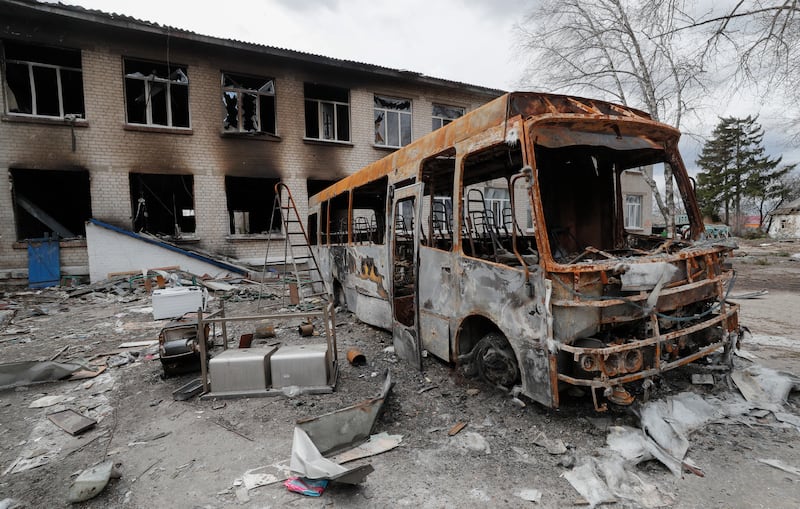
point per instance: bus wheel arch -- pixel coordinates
(485, 352)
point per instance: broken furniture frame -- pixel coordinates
(331, 358)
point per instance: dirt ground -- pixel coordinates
(193, 454)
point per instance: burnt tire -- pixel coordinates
(495, 361)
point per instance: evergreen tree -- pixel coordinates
(736, 168)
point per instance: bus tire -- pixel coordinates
(495, 360)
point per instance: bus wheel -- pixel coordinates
(495, 360)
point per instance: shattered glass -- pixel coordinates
(253, 98)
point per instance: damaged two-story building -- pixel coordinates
(183, 136)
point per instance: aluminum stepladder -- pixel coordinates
(305, 273)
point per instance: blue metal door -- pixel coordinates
(44, 267)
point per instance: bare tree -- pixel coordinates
(760, 39)
(628, 52)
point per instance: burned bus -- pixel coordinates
(498, 242)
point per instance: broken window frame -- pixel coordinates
(261, 190)
(33, 76)
(633, 211)
(389, 111)
(443, 114)
(183, 218)
(260, 95)
(59, 200)
(149, 81)
(324, 114)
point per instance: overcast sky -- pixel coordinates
(461, 40)
(471, 41)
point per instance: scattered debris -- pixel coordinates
(156, 462)
(148, 438)
(91, 481)
(765, 387)
(356, 357)
(188, 391)
(750, 295)
(531, 495)
(304, 486)
(474, 442)
(702, 378)
(139, 344)
(47, 401)
(348, 426)
(122, 359)
(254, 479)
(665, 426)
(589, 485)
(744, 354)
(265, 329)
(780, 465)
(30, 460)
(231, 429)
(792, 419)
(377, 444)
(554, 447)
(456, 428)
(523, 456)
(58, 353)
(15, 374)
(71, 421)
(309, 462)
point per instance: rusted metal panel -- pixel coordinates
(346, 427)
(502, 295)
(362, 272)
(438, 296)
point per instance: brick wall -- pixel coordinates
(110, 150)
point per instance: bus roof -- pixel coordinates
(491, 114)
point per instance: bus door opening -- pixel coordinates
(405, 262)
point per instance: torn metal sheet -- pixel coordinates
(586, 482)
(15, 374)
(665, 426)
(765, 387)
(309, 462)
(346, 427)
